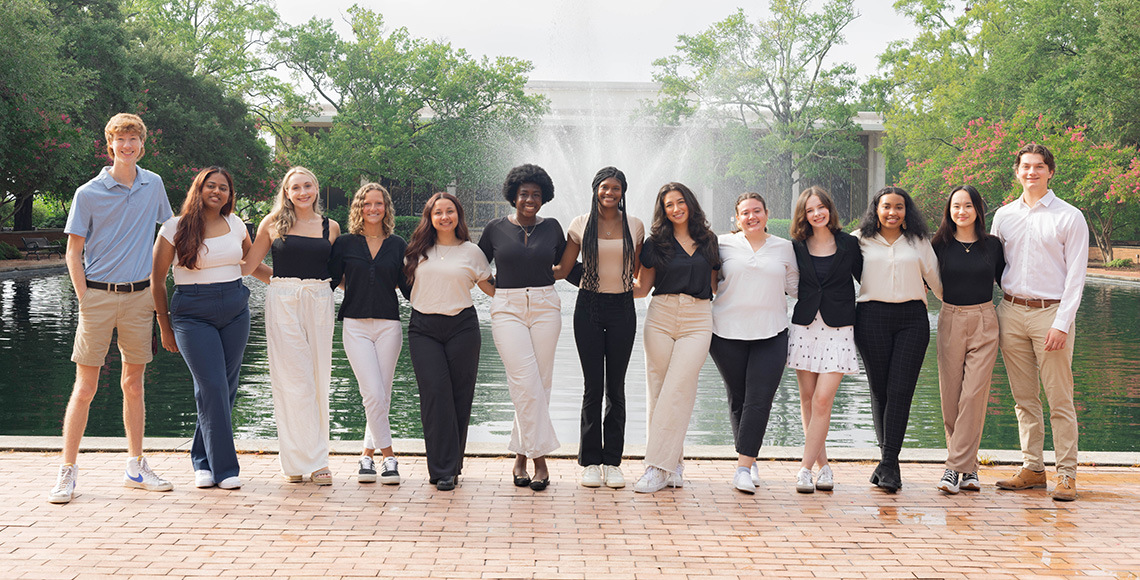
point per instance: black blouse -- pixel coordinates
(302, 257)
(369, 283)
(968, 278)
(523, 260)
(680, 274)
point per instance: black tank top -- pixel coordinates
(301, 256)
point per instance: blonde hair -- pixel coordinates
(125, 123)
(284, 216)
(356, 210)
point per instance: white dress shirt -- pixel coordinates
(894, 272)
(1046, 253)
(750, 302)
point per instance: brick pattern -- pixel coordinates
(487, 528)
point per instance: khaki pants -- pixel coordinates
(1029, 367)
(678, 330)
(967, 350)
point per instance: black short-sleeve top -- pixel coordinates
(679, 273)
(523, 258)
(968, 277)
(302, 257)
(369, 282)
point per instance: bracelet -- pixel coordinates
(162, 314)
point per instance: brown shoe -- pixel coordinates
(1024, 479)
(1066, 488)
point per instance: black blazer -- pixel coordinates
(834, 296)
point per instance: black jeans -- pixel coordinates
(892, 340)
(604, 328)
(445, 358)
(751, 370)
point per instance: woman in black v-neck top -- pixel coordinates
(369, 263)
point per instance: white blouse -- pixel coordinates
(750, 302)
(219, 258)
(895, 272)
(445, 277)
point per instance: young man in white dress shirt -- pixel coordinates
(1046, 248)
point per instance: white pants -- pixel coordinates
(372, 346)
(299, 332)
(525, 323)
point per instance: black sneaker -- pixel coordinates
(949, 482)
(367, 473)
(389, 474)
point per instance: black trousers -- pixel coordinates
(445, 357)
(751, 370)
(605, 326)
(892, 340)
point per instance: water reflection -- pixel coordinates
(38, 318)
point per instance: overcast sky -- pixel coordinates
(588, 40)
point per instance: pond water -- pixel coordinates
(38, 318)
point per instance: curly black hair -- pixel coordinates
(528, 173)
(914, 225)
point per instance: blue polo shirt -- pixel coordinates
(118, 224)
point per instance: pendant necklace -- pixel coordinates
(527, 233)
(967, 246)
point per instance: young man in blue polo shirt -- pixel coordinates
(110, 231)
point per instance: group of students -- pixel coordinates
(720, 295)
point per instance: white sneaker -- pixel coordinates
(389, 472)
(140, 475)
(613, 476)
(674, 479)
(803, 481)
(203, 478)
(742, 480)
(654, 480)
(231, 482)
(825, 481)
(64, 488)
(949, 482)
(755, 474)
(591, 476)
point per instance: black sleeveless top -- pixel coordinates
(302, 257)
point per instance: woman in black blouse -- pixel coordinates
(679, 261)
(970, 261)
(368, 262)
(526, 314)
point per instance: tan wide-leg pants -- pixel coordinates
(967, 350)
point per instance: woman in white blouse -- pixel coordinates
(750, 327)
(892, 330)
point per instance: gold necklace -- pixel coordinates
(967, 247)
(443, 254)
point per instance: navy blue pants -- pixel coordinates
(211, 328)
(604, 328)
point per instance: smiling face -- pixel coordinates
(676, 210)
(962, 210)
(126, 147)
(444, 216)
(751, 216)
(816, 212)
(609, 193)
(216, 192)
(373, 209)
(528, 200)
(302, 191)
(892, 212)
(1033, 173)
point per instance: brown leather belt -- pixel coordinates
(117, 288)
(1030, 302)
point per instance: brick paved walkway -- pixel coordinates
(489, 529)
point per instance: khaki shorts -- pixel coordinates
(100, 313)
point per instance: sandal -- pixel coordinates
(322, 476)
(293, 478)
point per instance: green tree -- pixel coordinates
(1110, 81)
(406, 108)
(786, 112)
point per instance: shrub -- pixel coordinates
(780, 227)
(9, 252)
(1119, 263)
(405, 225)
(340, 215)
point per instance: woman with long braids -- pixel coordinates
(679, 262)
(891, 327)
(442, 266)
(299, 323)
(369, 262)
(208, 318)
(605, 323)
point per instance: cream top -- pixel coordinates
(219, 258)
(895, 272)
(445, 277)
(751, 302)
(610, 263)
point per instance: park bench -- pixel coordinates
(39, 246)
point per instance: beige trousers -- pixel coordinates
(678, 330)
(967, 350)
(1029, 367)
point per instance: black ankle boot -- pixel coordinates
(887, 475)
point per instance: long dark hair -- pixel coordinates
(914, 227)
(192, 219)
(424, 236)
(661, 232)
(590, 235)
(945, 234)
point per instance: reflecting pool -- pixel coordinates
(38, 315)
